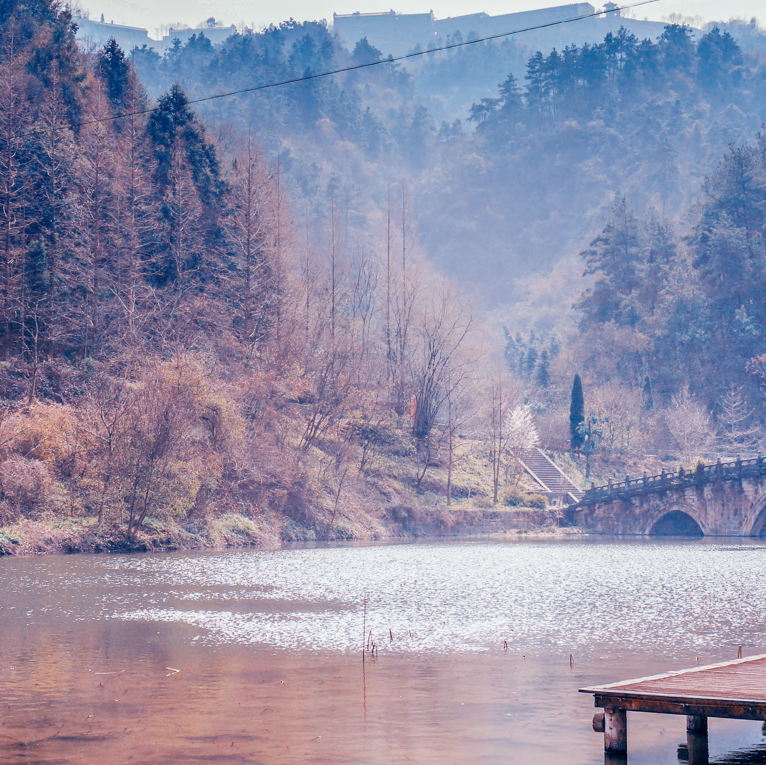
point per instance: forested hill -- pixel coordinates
(522, 179)
(175, 348)
(639, 118)
(222, 310)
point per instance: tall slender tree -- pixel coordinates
(576, 414)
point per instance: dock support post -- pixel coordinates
(696, 744)
(696, 723)
(615, 730)
(696, 739)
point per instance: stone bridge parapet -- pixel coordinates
(719, 499)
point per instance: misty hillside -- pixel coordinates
(266, 316)
(522, 178)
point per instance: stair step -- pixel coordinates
(549, 474)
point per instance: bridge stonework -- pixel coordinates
(727, 500)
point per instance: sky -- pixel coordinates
(151, 14)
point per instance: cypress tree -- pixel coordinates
(647, 396)
(576, 413)
(543, 374)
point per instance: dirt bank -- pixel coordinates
(56, 535)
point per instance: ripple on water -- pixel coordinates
(577, 596)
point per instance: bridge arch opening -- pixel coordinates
(759, 527)
(676, 523)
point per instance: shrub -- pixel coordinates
(538, 501)
(47, 432)
(26, 483)
(515, 497)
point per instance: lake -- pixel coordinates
(256, 656)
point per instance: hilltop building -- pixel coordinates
(398, 33)
(99, 32)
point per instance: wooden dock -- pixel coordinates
(734, 689)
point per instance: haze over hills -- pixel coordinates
(497, 196)
(278, 304)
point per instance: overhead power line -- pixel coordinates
(342, 70)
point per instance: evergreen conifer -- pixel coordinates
(646, 395)
(543, 374)
(576, 414)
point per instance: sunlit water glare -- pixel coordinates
(440, 615)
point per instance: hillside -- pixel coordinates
(234, 320)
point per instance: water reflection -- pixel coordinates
(754, 755)
(256, 656)
(695, 751)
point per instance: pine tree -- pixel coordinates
(536, 87)
(510, 96)
(364, 53)
(614, 257)
(114, 70)
(576, 414)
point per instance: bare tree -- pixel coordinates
(619, 409)
(502, 395)
(438, 359)
(136, 218)
(459, 411)
(689, 424)
(387, 326)
(106, 419)
(14, 120)
(335, 274)
(177, 433)
(404, 301)
(92, 241)
(737, 431)
(249, 228)
(364, 282)
(56, 161)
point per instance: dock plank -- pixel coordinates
(740, 680)
(733, 689)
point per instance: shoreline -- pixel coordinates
(68, 536)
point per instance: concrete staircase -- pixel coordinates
(549, 477)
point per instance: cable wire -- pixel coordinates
(389, 60)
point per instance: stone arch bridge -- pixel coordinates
(722, 499)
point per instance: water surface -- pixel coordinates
(255, 657)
